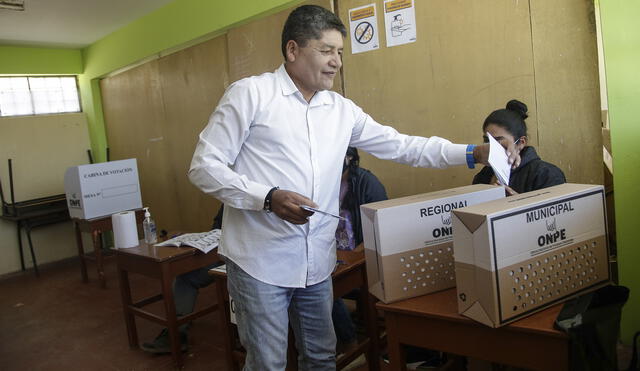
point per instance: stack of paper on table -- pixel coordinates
(204, 242)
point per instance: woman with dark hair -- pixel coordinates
(508, 125)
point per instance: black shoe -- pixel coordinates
(162, 344)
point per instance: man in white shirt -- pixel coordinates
(275, 142)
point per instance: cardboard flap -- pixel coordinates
(471, 221)
(377, 291)
(477, 313)
(373, 273)
(465, 274)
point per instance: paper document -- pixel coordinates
(204, 242)
(499, 161)
(312, 209)
(221, 268)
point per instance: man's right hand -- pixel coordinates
(481, 153)
(286, 205)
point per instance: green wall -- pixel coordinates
(621, 41)
(169, 27)
(18, 60)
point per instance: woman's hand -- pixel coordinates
(508, 191)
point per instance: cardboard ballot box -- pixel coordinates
(408, 241)
(102, 189)
(523, 253)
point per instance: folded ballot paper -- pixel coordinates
(499, 161)
(204, 242)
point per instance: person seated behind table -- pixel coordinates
(357, 187)
(533, 173)
(185, 293)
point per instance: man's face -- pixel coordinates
(314, 66)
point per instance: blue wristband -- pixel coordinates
(471, 162)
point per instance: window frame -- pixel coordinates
(75, 77)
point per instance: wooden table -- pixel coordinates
(96, 227)
(165, 264)
(32, 214)
(350, 274)
(432, 321)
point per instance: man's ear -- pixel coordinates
(291, 50)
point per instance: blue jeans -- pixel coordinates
(263, 313)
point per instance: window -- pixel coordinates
(38, 95)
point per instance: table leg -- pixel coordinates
(129, 318)
(83, 263)
(97, 247)
(397, 356)
(19, 225)
(170, 314)
(371, 323)
(33, 255)
(225, 322)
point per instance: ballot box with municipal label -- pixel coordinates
(521, 254)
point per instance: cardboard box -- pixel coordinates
(102, 189)
(408, 241)
(521, 254)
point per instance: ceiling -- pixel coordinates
(70, 23)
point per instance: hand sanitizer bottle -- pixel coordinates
(149, 227)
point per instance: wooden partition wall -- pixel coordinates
(470, 58)
(154, 113)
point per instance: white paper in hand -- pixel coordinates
(499, 161)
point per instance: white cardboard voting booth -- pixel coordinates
(102, 189)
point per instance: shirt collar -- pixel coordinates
(286, 83)
(289, 87)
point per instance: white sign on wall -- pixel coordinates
(364, 29)
(399, 22)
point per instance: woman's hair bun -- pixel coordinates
(519, 107)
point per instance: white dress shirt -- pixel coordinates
(264, 134)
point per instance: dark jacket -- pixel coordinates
(364, 188)
(531, 175)
(217, 220)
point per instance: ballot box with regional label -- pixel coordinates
(408, 240)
